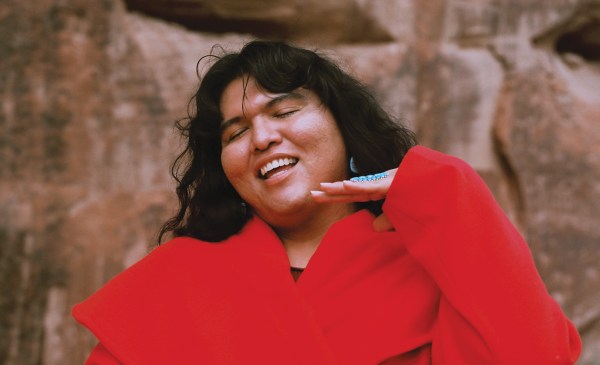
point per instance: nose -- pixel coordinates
(264, 133)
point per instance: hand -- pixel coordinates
(354, 191)
(359, 191)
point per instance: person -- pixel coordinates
(313, 229)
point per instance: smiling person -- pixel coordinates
(313, 230)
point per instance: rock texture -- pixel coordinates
(331, 21)
(89, 92)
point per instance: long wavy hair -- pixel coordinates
(209, 207)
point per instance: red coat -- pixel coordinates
(453, 284)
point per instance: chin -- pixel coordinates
(288, 209)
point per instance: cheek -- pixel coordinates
(233, 162)
(335, 149)
(330, 140)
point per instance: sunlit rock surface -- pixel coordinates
(89, 92)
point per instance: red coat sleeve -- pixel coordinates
(101, 356)
(494, 307)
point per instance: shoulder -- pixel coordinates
(186, 253)
(170, 262)
(164, 258)
(159, 269)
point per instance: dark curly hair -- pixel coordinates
(210, 208)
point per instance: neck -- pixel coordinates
(302, 239)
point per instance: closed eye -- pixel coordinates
(285, 114)
(236, 134)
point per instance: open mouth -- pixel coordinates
(276, 166)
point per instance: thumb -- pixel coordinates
(382, 223)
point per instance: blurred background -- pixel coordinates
(89, 92)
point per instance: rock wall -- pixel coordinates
(89, 92)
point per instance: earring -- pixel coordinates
(353, 167)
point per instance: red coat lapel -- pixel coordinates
(195, 302)
(371, 299)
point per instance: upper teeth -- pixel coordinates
(275, 164)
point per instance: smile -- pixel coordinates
(265, 171)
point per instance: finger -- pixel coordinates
(335, 188)
(349, 188)
(353, 187)
(366, 187)
(382, 223)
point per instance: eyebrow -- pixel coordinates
(292, 95)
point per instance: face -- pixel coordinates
(278, 147)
